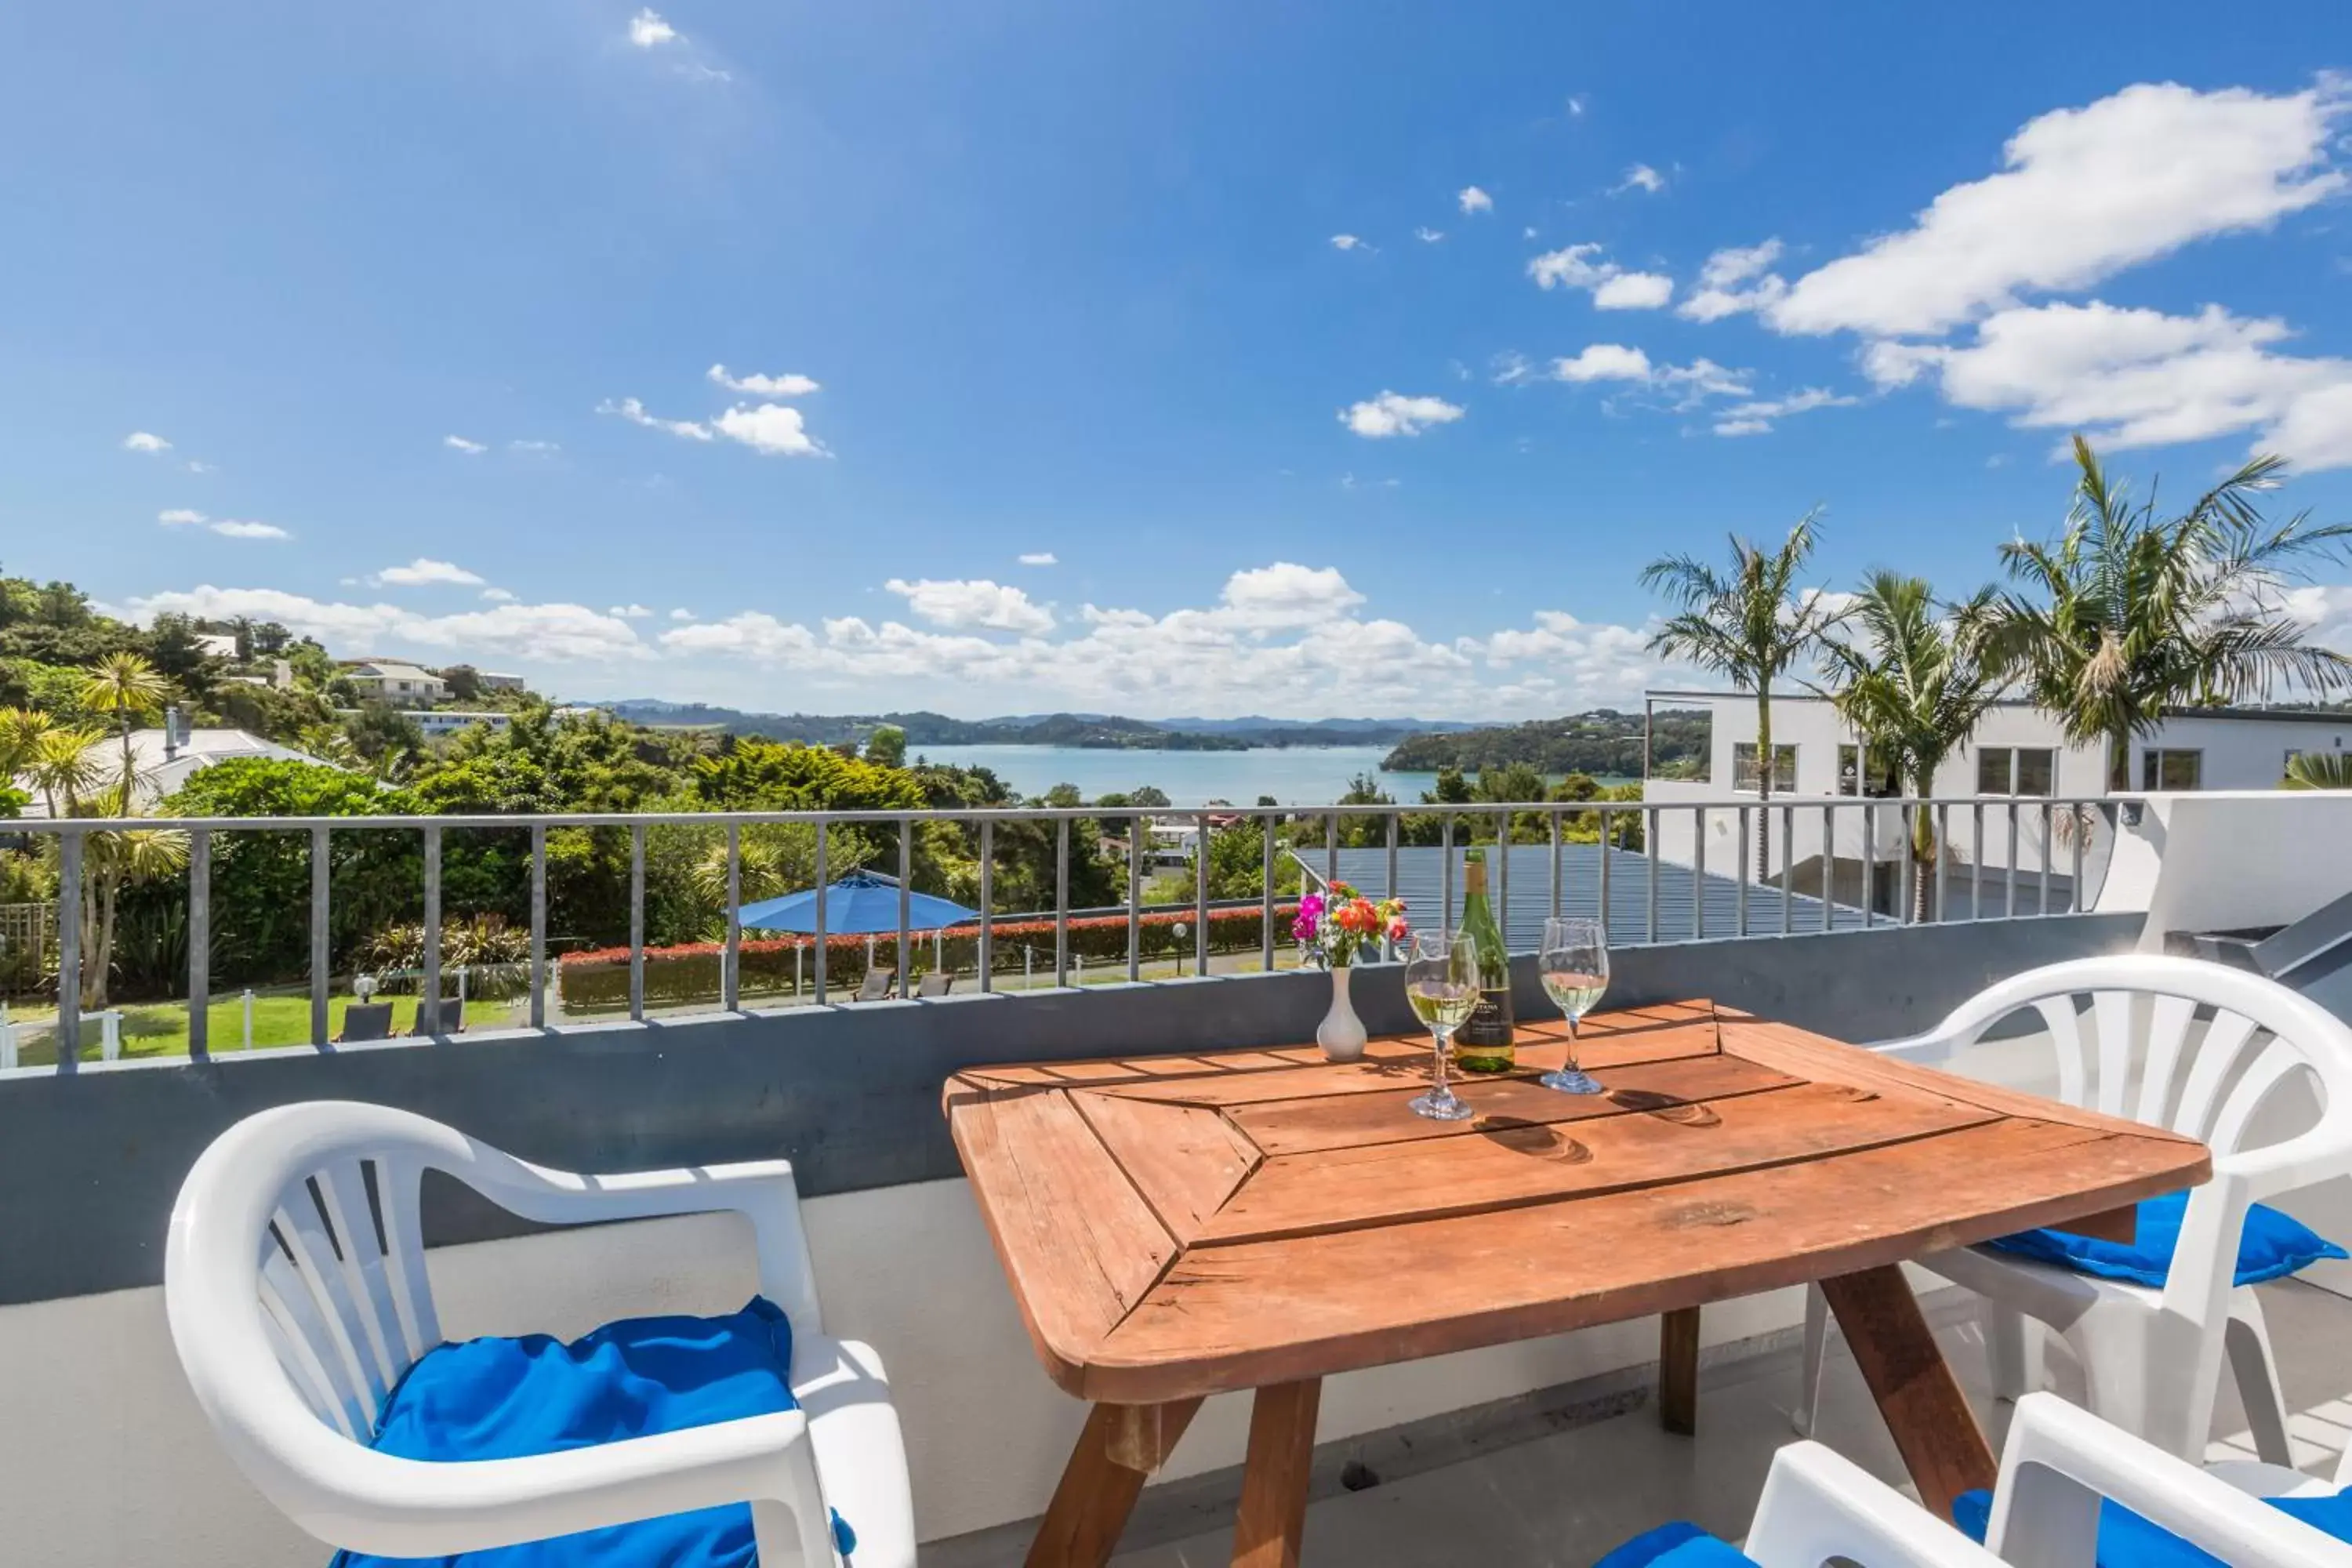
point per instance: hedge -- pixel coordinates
(598, 980)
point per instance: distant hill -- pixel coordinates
(1602, 741)
(1104, 731)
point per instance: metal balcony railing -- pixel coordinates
(1646, 868)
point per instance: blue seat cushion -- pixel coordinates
(1677, 1545)
(507, 1399)
(2128, 1540)
(2271, 1245)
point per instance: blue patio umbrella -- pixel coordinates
(864, 903)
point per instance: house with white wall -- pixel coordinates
(2004, 820)
(394, 680)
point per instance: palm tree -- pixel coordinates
(127, 686)
(62, 762)
(128, 856)
(21, 730)
(1915, 688)
(1751, 627)
(2319, 770)
(2129, 613)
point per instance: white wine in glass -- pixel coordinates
(1573, 964)
(1441, 986)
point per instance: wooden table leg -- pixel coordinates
(1934, 1430)
(1678, 1370)
(1274, 1485)
(1121, 1445)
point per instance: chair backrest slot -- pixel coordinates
(320, 1269)
(342, 1193)
(2277, 1062)
(285, 1294)
(399, 1184)
(2217, 1054)
(2169, 1018)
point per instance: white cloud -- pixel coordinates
(648, 30)
(2083, 194)
(1040, 558)
(1634, 291)
(459, 444)
(630, 409)
(1575, 107)
(196, 467)
(535, 448)
(145, 441)
(683, 615)
(1613, 287)
(2139, 378)
(790, 384)
(1279, 638)
(1641, 177)
(1392, 413)
(1347, 242)
(424, 572)
(1471, 199)
(1604, 362)
(1754, 419)
(1734, 280)
(498, 596)
(226, 527)
(774, 428)
(555, 632)
(976, 603)
(1428, 235)
(629, 612)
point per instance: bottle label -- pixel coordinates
(1483, 1043)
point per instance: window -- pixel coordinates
(2017, 770)
(1883, 781)
(2163, 769)
(1743, 768)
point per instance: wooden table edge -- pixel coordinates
(1107, 1380)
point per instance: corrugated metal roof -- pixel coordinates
(1420, 880)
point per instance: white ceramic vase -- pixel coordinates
(1341, 1032)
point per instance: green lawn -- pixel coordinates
(161, 1028)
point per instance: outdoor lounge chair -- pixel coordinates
(877, 985)
(452, 1020)
(296, 1286)
(2153, 1333)
(938, 982)
(366, 1021)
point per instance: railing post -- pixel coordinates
(1502, 876)
(428, 1005)
(69, 849)
(1266, 899)
(637, 919)
(906, 897)
(2082, 831)
(1650, 845)
(200, 944)
(1698, 872)
(1741, 928)
(538, 925)
(2009, 872)
(819, 950)
(1330, 849)
(1200, 894)
(2042, 899)
(1869, 863)
(1943, 852)
(987, 903)
(1608, 853)
(1787, 868)
(1135, 895)
(731, 985)
(1907, 862)
(1829, 867)
(1061, 902)
(1445, 873)
(1976, 861)
(320, 980)
(1553, 825)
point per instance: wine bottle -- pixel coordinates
(1483, 1043)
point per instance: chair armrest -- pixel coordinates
(1819, 1506)
(1934, 1046)
(355, 1497)
(2061, 1460)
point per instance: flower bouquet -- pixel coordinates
(1335, 928)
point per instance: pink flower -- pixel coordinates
(1398, 929)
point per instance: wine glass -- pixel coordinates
(1441, 981)
(1574, 965)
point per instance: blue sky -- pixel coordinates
(1342, 359)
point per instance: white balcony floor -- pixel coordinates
(1566, 1499)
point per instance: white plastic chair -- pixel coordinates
(2152, 1358)
(295, 1315)
(1820, 1507)
(2061, 1460)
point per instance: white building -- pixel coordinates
(450, 720)
(162, 760)
(491, 682)
(394, 680)
(2003, 820)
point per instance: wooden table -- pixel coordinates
(1177, 1226)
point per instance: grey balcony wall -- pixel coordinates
(89, 1164)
